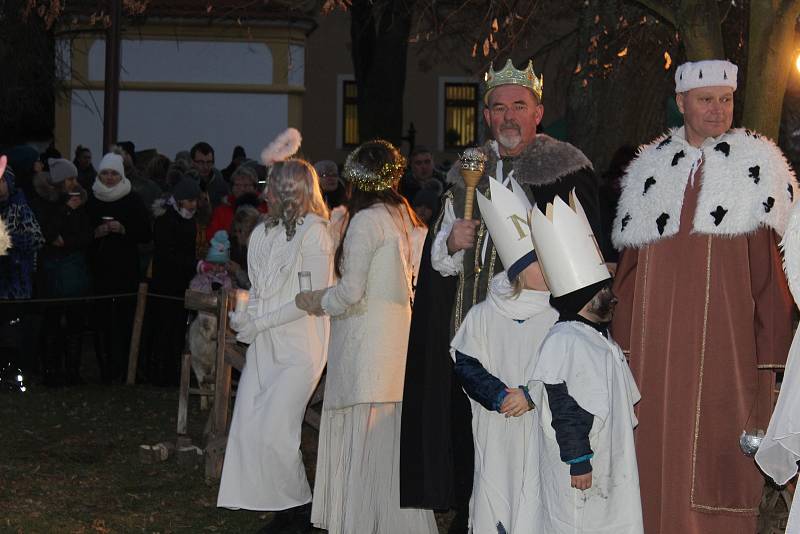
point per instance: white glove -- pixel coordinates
(248, 333)
(238, 320)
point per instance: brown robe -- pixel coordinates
(705, 320)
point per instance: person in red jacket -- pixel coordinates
(244, 182)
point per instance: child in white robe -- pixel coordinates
(494, 351)
(583, 388)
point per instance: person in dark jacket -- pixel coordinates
(86, 171)
(174, 265)
(60, 207)
(119, 222)
(23, 238)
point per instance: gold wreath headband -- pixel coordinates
(370, 181)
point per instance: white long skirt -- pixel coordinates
(357, 488)
(263, 468)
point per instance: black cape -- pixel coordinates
(434, 469)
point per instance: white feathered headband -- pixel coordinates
(283, 147)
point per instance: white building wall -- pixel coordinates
(171, 121)
(187, 62)
(174, 121)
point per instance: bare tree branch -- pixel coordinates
(790, 8)
(658, 7)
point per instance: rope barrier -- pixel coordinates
(88, 298)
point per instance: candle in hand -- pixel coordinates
(305, 281)
(242, 296)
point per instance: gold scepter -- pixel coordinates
(472, 164)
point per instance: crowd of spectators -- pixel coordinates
(83, 230)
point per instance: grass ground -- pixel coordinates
(69, 464)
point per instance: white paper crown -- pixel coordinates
(708, 73)
(506, 217)
(566, 247)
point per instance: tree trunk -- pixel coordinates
(27, 61)
(770, 60)
(700, 28)
(379, 30)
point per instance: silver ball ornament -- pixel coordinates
(750, 440)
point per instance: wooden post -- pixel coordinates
(136, 334)
(215, 448)
(183, 394)
(111, 88)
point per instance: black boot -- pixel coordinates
(460, 523)
(292, 521)
(53, 351)
(73, 359)
(101, 351)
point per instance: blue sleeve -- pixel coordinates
(481, 386)
(572, 425)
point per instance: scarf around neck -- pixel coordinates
(527, 304)
(111, 194)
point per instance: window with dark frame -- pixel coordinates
(349, 114)
(460, 115)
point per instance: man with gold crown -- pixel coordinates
(583, 387)
(704, 309)
(457, 266)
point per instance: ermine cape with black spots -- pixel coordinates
(746, 183)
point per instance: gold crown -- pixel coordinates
(511, 76)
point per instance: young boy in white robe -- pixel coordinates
(583, 388)
(494, 352)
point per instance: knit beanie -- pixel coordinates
(220, 249)
(112, 162)
(21, 158)
(60, 170)
(186, 189)
(573, 302)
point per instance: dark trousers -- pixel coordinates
(113, 323)
(167, 324)
(63, 334)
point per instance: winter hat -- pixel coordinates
(709, 73)
(60, 170)
(112, 162)
(573, 302)
(21, 158)
(186, 189)
(220, 249)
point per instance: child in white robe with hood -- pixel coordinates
(583, 387)
(494, 351)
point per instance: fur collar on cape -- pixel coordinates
(545, 161)
(746, 183)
